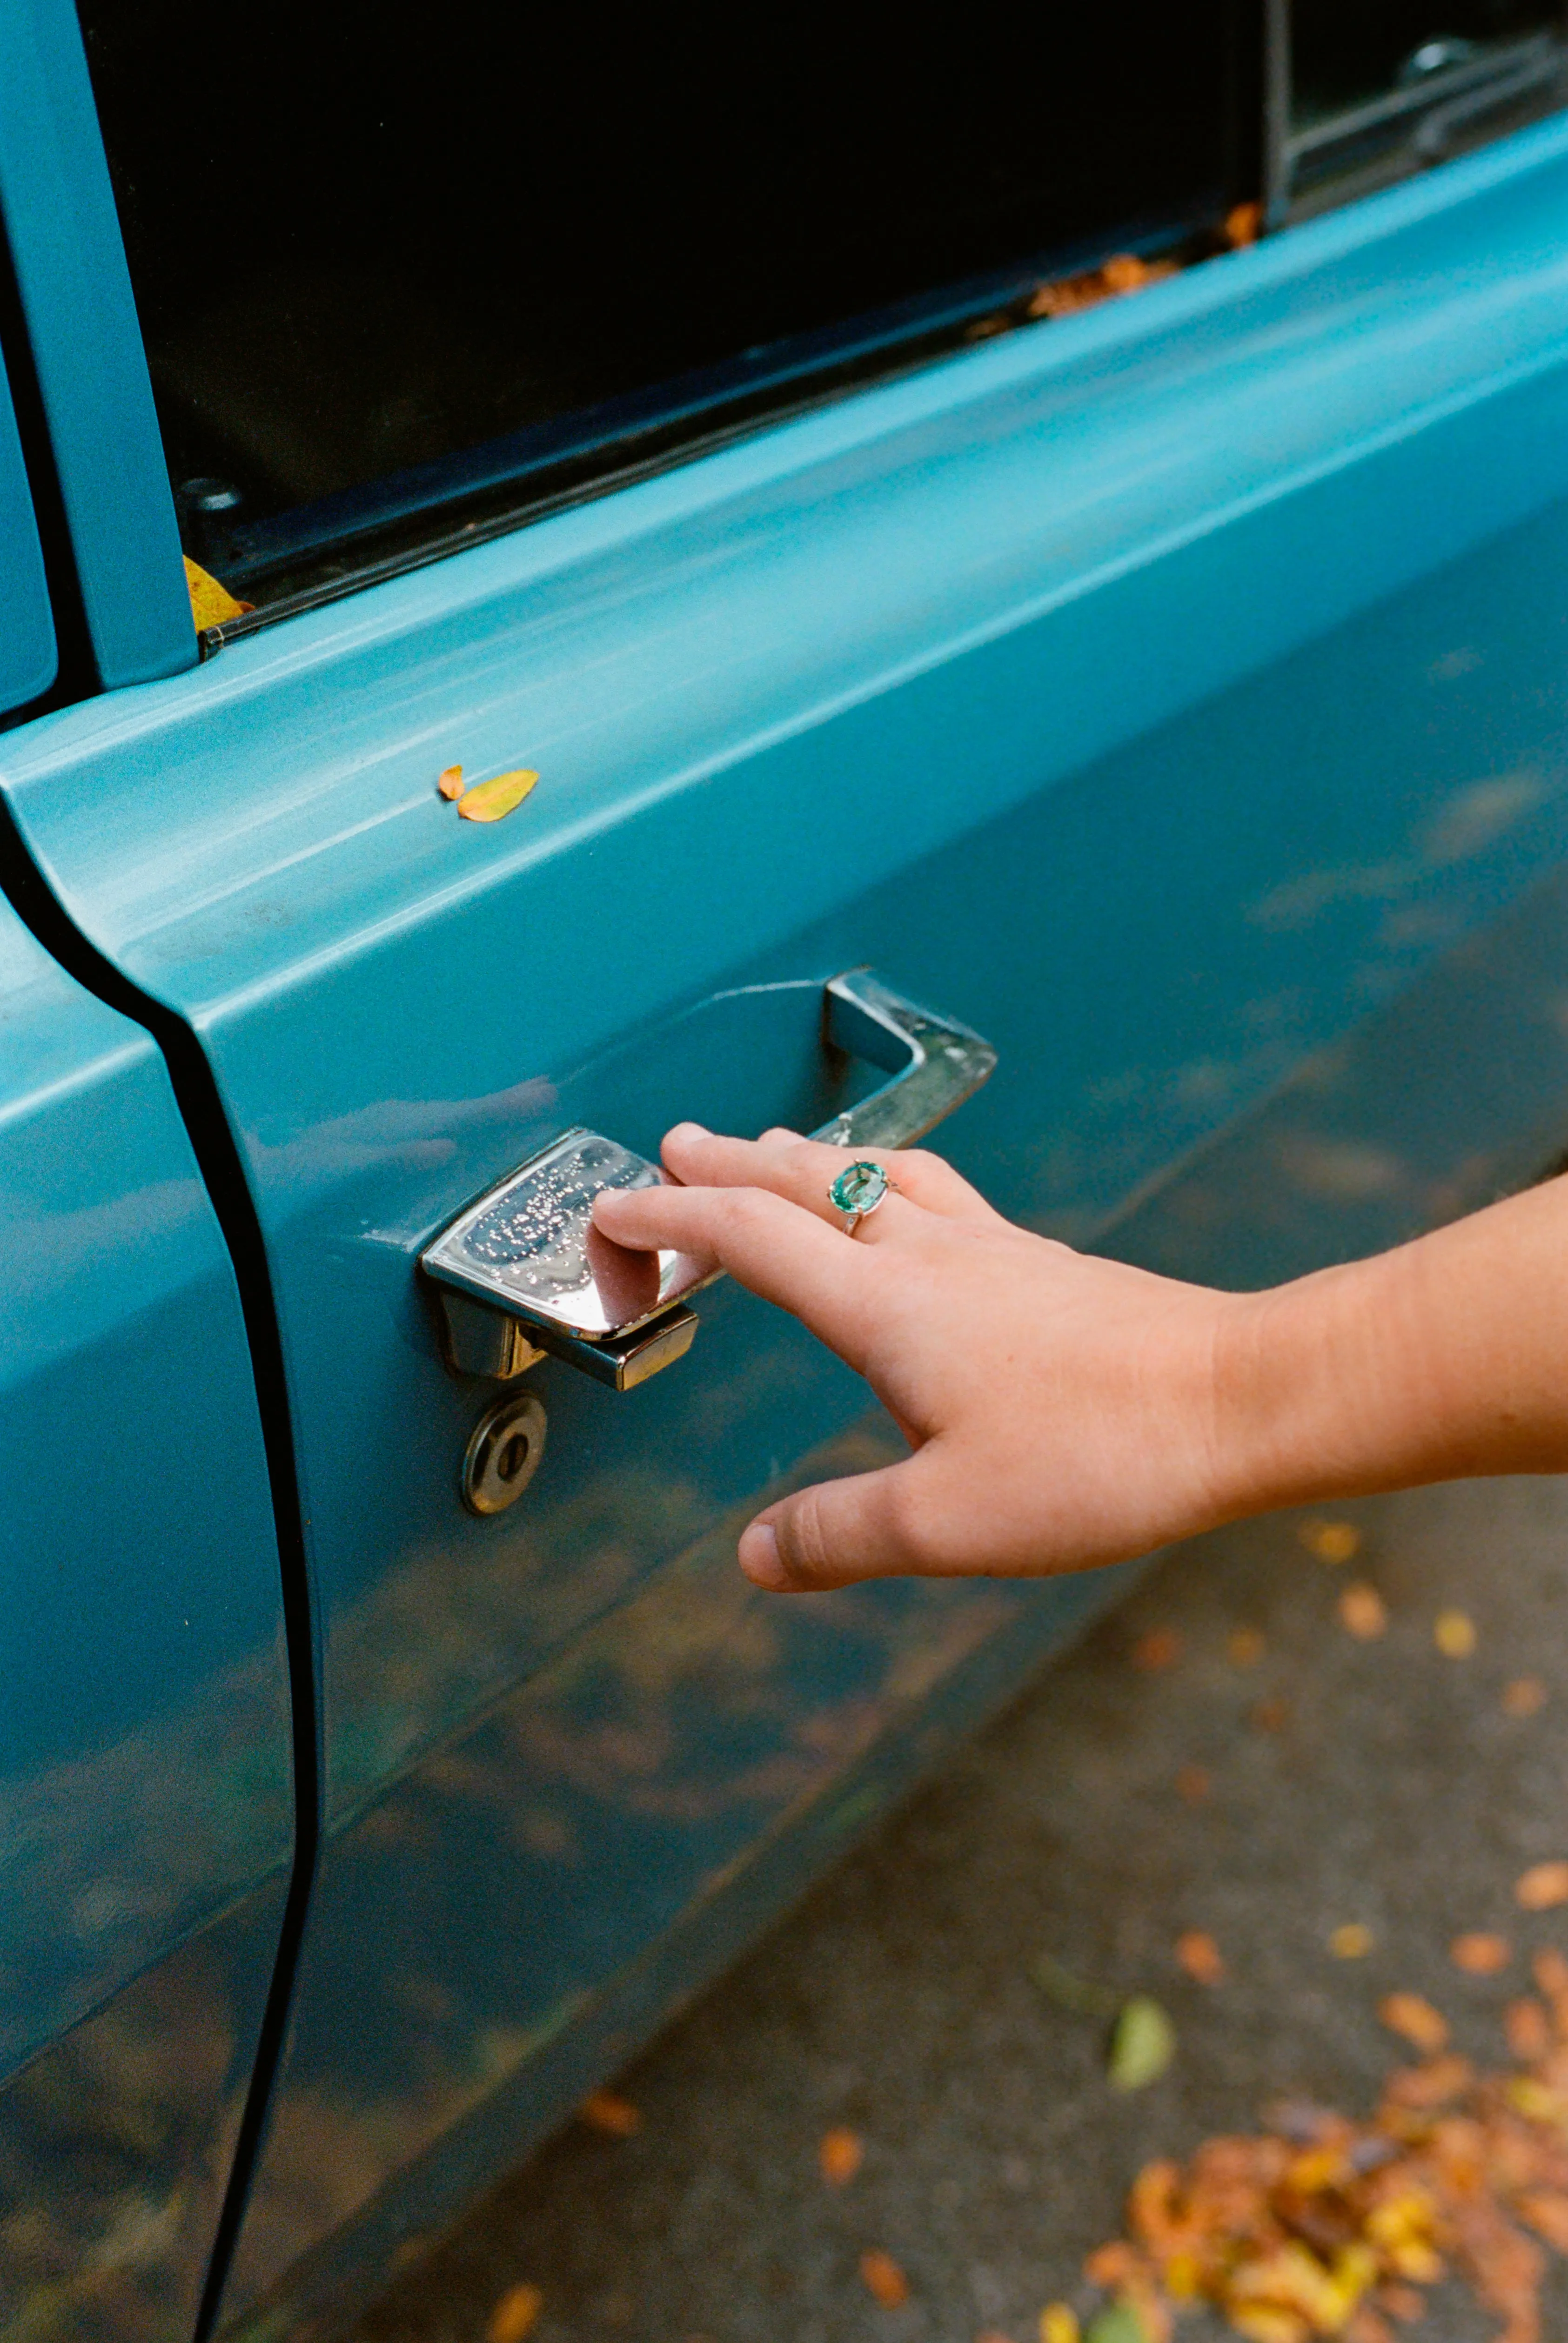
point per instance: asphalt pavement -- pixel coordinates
(1222, 1755)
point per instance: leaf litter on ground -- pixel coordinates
(1074, 1992)
(1200, 1956)
(1424, 2027)
(1320, 2225)
(1332, 1542)
(884, 2278)
(1361, 1612)
(1142, 2039)
(1543, 1886)
(1160, 1648)
(1143, 2044)
(839, 2155)
(1481, 1955)
(1453, 1632)
(515, 2315)
(608, 2112)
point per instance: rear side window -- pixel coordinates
(406, 275)
(1380, 88)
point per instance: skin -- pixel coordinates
(1063, 1410)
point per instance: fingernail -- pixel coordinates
(689, 1130)
(760, 1557)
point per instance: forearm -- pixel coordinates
(1443, 1359)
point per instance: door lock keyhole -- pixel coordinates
(503, 1454)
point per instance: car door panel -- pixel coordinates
(1158, 693)
(146, 1816)
(649, 1802)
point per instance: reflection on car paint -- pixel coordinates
(114, 2143)
(116, 1853)
(590, 1809)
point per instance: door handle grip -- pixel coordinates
(935, 1063)
(521, 1271)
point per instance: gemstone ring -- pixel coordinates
(859, 1189)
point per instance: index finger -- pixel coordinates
(805, 1169)
(772, 1247)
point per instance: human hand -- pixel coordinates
(1062, 1410)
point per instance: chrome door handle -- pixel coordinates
(520, 1272)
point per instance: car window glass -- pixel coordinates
(402, 274)
(1380, 88)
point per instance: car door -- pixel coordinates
(146, 1805)
(1157, 689)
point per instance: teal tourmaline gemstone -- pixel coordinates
(858, 1188)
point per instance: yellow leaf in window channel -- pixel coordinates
(212, 605)
(489, 800)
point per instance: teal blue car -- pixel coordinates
(563, 572)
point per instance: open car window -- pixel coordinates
(403, 276)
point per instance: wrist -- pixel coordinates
(1318, 1391)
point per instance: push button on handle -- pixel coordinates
(522, 1271)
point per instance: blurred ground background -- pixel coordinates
(1225, 1755)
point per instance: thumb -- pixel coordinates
(864, 1526)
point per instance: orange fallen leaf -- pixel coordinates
(1479, 1956)
(1059, 2323)
(1244, 1646)
(1332, 1542)
(1362, 1611)
(489, 800)
(1160, 1648)
(1546, 2210)
(840, 2157)
(1453, 1632)
(884, 2278)
(449, 782)
(1194, 1783)
(1524, 2024)
(1350, 1941)
(1429, 2085)
(1408, 2014)
(1550, 1971)
(1543, 1886)
(1200, 1956)
(1271, 1715)
(1524, 1696)
(515, 2315)
(212, 604)
(607, 2111)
